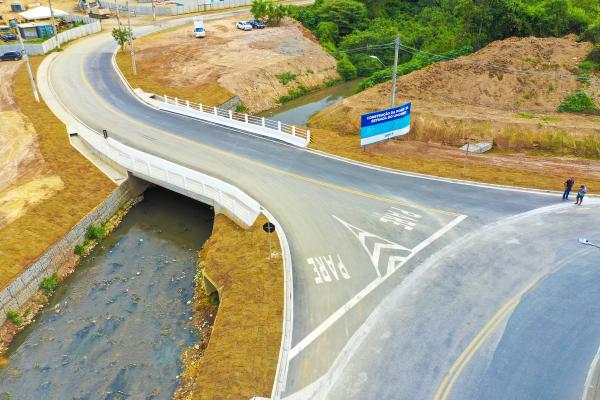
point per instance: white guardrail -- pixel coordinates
(258, 125)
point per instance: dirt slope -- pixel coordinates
(240, 63)
(466, 97)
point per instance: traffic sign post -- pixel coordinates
(269, 228)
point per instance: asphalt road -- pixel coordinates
(434, 259)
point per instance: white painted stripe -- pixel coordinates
(319, 330)
(589, 389)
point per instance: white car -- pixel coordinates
(244, 25)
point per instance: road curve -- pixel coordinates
(420, 252)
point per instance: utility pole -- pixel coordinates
(133, 68)
(395, 70)
(118, 18)
(26, 57)
(54, 27)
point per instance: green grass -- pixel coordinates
(300, 91)
(286, 77)
(525, 115)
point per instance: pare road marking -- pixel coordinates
(328, 269)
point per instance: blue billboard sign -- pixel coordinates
(385, 124)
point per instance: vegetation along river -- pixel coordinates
(116, 327)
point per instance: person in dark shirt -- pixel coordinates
(568, 186)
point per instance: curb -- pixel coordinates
(288, 311)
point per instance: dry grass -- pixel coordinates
(28, 237)
(438, 160)
(242, 354)
(210, 94)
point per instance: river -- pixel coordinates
(116, 327)
(298, 111)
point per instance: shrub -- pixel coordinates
(241, 108)
(293, 94)
(346, 69)
(49, 284)
(95, 232)
(14, 317)
(79, 249)
(579, 102)
(285, 77)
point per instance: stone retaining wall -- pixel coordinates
(19, 291)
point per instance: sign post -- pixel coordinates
(269, 228)
(385, 124)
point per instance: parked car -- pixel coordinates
(7, 37)
(244, 25)
(256, 24)
(11, 55)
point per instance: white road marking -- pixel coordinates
(399, 217)
(325, 268)
(379, 244)
(311, 337)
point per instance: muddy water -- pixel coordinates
(116, 327)
(297, 111)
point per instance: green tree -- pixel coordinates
(328, 31)
(346, 69)
(121, 36)
(348, 15)
(276, 12)
(260, 9)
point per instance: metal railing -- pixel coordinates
(251, 120)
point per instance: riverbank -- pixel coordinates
(118, 324)
(242, 354)
(24, 312)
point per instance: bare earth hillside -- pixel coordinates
(530, 78)
(235, 62)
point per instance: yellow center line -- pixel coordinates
(463, 359)
(258, 163)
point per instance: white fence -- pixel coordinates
(185, 7)
(258, 125)
(91, 26)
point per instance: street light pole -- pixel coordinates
(54, 28)
(395, 70)
(133, 68)
(26, 57)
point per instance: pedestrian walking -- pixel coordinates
(580, 194)
(568, 186)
